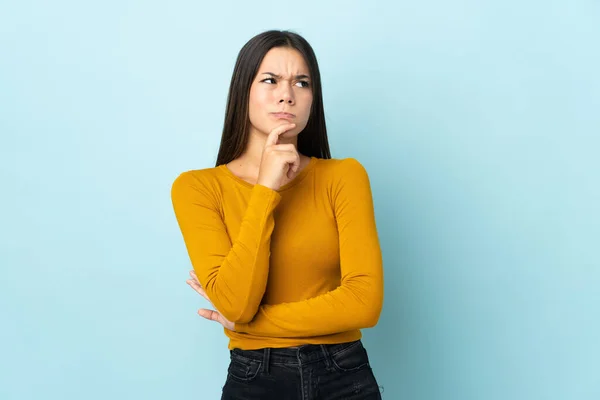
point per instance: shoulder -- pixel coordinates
(343, 179)
(195, 181)
(340, 168)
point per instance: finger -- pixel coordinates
(291, 173)
(194, 276)
(285, 147)
(209, 314)
(295, 165)
(213, 315)
(192, 282)
(274, 135)
(199, 290)
(291, 157)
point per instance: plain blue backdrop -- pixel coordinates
(478, 124)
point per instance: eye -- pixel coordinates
(304, 84)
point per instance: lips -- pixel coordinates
(283, 115)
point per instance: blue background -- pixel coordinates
(478, 124)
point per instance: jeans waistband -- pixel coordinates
(293, 356)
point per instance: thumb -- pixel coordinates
(291, 174)
(209, 314)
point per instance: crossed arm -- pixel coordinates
(355, 304)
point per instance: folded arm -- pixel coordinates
(358, 301)
(234, 275)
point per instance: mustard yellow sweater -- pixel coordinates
(298, 265)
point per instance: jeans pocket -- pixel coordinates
(243, 369)
(351, 358)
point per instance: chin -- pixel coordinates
(289, 134)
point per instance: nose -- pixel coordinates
(286, 96)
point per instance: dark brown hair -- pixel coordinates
(312, 141)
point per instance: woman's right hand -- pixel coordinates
(278, 160)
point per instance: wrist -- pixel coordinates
(267, 185)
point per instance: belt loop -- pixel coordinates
(327, 356)
(266, 359)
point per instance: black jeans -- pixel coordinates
(308, 372)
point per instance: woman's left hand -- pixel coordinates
(212, 315)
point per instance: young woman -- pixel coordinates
(282, 238)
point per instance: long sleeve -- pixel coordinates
(358, 301)
(234, 275)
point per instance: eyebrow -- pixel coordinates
(279, 77)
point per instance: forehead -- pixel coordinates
(284, 60)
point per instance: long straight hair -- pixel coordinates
(312, 141)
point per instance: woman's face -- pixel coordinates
(282, 84)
